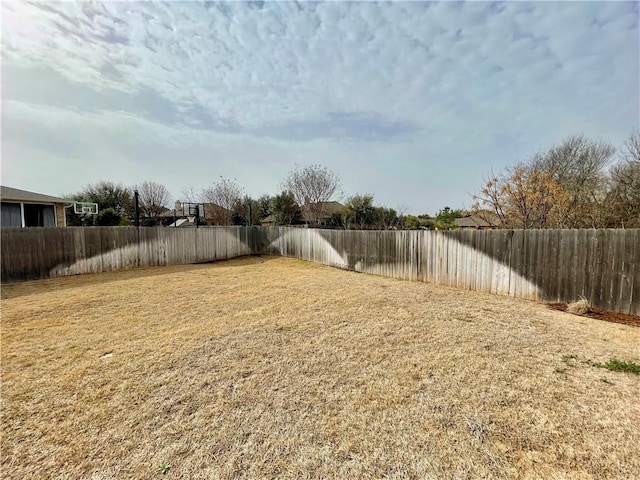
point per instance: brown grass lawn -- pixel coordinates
(274, 368)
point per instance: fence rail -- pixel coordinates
(602, 266)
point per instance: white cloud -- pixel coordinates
(397, 90)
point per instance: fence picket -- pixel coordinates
(549, 265)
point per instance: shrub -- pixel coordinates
(108, 218)
(580, 307)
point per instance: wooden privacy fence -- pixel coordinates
(602, 266)
(31, 253)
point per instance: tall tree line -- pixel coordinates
(577, 183)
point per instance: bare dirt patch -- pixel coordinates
(604, 315)
(275, 368)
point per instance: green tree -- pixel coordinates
(108, 217)
(337, 220)
(446, 218)
(410, 222)
(285, 209)
(246, 212)
(264, 205)
(427, 221)
(359, 211)
(106, 194)
(386, 218)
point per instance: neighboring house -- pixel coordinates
(217, 215)
(213, 215)
(268, 221)
(320, 213)
(21, 208)
(483, 220)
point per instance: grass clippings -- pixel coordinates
(271, 368)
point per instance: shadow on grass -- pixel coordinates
(19, 289)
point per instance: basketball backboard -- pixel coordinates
(193, 209)
(86, 208)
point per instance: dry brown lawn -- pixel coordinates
(274, 368)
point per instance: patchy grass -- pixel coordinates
(163, 468)
(272, 368)
(616, 365)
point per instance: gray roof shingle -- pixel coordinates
(17, 195)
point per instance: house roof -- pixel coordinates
(17, 195)
(328, 208)
(209, 208)
(475, 221)
(171, 213)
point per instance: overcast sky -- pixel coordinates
(412, 102)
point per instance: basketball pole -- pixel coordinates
(135, 196)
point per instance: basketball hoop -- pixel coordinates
(85, 208)
(193, 212)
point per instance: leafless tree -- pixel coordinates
(312, 186)
(562, 187)
(623, 199)
(154, 198)
(190, 195)
(577, 165)
(224, 195)
(631, 150)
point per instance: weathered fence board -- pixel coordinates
(33, 253)
(550, 265)
(634, 274)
